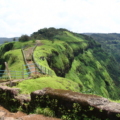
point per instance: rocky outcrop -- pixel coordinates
(11, 98)
(62, 102)
(76, 104)
(11, 91)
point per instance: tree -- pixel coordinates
(14, 39)
(24, 38)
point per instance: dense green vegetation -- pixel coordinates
(24, 38)
(69, 55)
(110, 43)
(77, 62)
(11, 53)
(31, 85)
(81, 59)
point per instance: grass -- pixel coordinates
(31, 85)
(74, 57)
(56, 52)
(91, 75)
(43, 51)
(69, 37)
(73, 74)
(88, 69)
(83, 70)
(15, 61)
(19, 45)
(45, 111)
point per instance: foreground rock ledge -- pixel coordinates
(62, 102)
(90, 105)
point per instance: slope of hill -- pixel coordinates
(110, 43)
(77, 62)
(11, 53)
(72, 56)
(81, 59)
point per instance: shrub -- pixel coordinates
(24, 38)
(48, 112)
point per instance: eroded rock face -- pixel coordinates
(65, 100)
(62, 102)
(10, 91)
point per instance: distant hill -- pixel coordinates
(3, 39)
(110, 42)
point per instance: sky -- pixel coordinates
(18, 17)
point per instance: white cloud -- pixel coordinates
(26, 16)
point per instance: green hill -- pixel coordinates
(81, 59)
(110, 43)
(71, 56)
(28, 86)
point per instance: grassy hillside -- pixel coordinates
(31, 85)
(81, 59)
(110, 43)
(11, 53)
(69, 55)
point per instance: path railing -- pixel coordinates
(13, 74)
(27, 67)
(24, 73)
(42, 69)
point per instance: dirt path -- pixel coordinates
(28, 55)
(7, 115)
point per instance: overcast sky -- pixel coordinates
(19, 17)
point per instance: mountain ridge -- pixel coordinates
(73, 56)
(77, 62)
(5, 39)
(109, 42)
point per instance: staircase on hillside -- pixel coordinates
(31, 65)
(28, 53)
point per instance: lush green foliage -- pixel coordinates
(46, 33)
(74, 56)
(24, 38)
(31, 85)
(45, 111)
(11, 53)
(82, 63)
(15, 61)
(81, 59)
(57, 55)
(12, 46)
(110, 43)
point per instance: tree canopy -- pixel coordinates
(24, 38)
